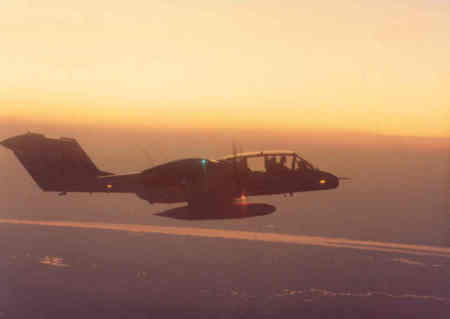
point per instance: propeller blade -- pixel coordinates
(236, 174)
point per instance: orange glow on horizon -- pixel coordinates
(204, 117)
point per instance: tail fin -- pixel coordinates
(54, 164)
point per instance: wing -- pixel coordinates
(61, 165)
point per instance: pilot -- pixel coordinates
(271, 164)
(281, 166)
(283, 161)
(299, 165)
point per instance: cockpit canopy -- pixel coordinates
(268, 161)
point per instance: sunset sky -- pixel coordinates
(368, 66)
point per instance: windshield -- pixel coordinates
(302, 165)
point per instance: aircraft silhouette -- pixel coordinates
(61, 165)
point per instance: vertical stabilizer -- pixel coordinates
(54, 164)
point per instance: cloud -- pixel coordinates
(407, 249)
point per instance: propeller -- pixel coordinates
(236, 172)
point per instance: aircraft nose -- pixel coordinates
(334, 181)
(329, 180)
